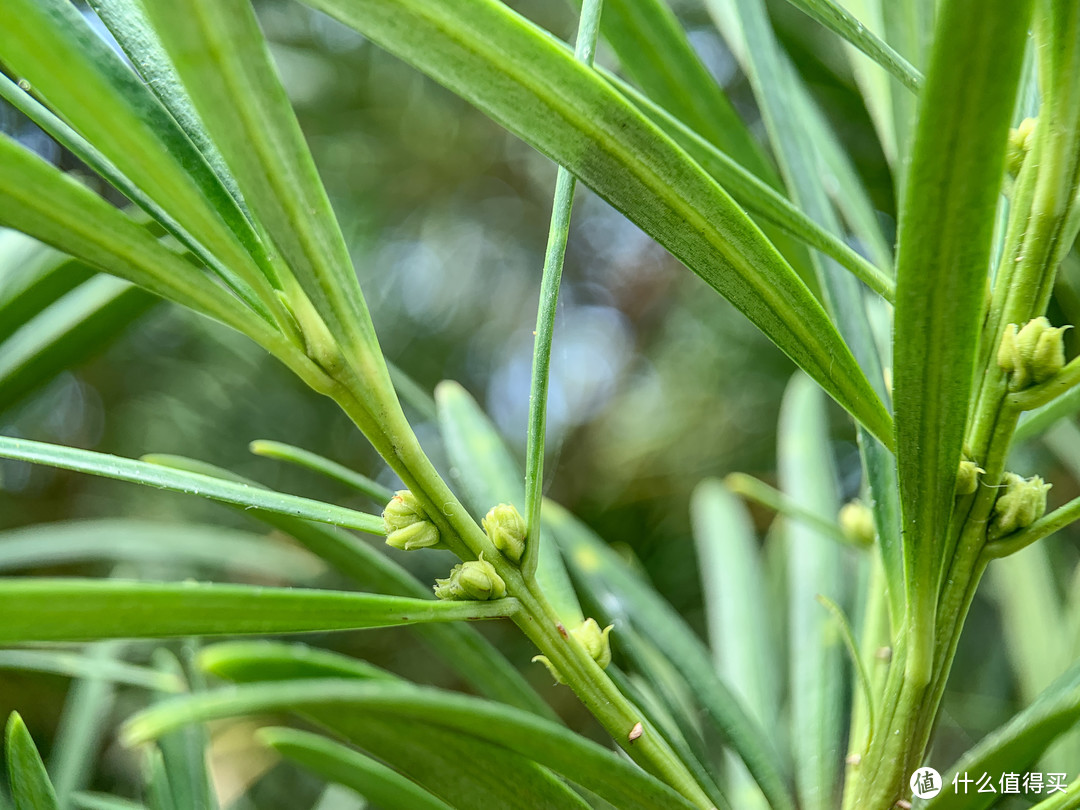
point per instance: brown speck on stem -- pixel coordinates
(853, 759)
(635, 732)
(883, 653)
(902, 804)
(562, 630)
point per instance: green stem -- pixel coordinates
(558, 233)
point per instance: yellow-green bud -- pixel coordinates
(1021, 504)
(418, 535)
(967, 478)
(1049, 355)
(1019, 145)
(473, 580)
(506, 528)
(406, 523)
(1032, 354)
(857, 523)
(595, 641)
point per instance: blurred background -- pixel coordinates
(657, 382)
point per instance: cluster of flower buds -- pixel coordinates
(1022, 502)
(506, 529)
(473, 580)
(857, 523)
(1033, 354)
(1019, 145)
(407, 525)
(593, 639)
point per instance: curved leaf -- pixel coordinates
(217, 489)
(132, 540)
(345, 705)
(530, 84)
(253, 661)
(30, 786)
(75, 665)
(40, 610)
(336, 763)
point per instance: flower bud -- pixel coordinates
(1032, 354)
(410, 538)
(857, 523)
(1021, 504)
(967, 477)
(595, 641)
(1049, 355)
(407, 525)
(1019, 145)
(506, 528)
(473, 580)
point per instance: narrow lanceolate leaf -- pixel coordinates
(529, 83)
(841, 22)
(76, 665)
(224, 63)
(32, 276)
(1018, 744)
(741, 618)
(173, 545)
(154, 475)
(943, 254)
(72, 330)
(43, 202)
(334, 762)
(30, 786)
(554, 256)
(50, 44)
(656, 54)
(324, 466)
(261, 661)
(344, 705)
(40, 610)
(815, 566)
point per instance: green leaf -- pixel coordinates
(100, 801)
(345, 705)
(842, 23)
(222, 59)
(1018, 744)
(30, 786)
(251, 661)
(758, 198)
(84, 725)
(75, 665)
(184, 751)
(815, 566)
(155, 475)
(324, 466)
(527, 82)
(461, 647)
(740, 614)
(32, 276)
(145, 541)
(943, 254)
(490, 475)
(554, 255)
(625, 596)
(41, 201)
(52, 46)
(39, 610)
(336, 763)
(656, 54)
(72, 330)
